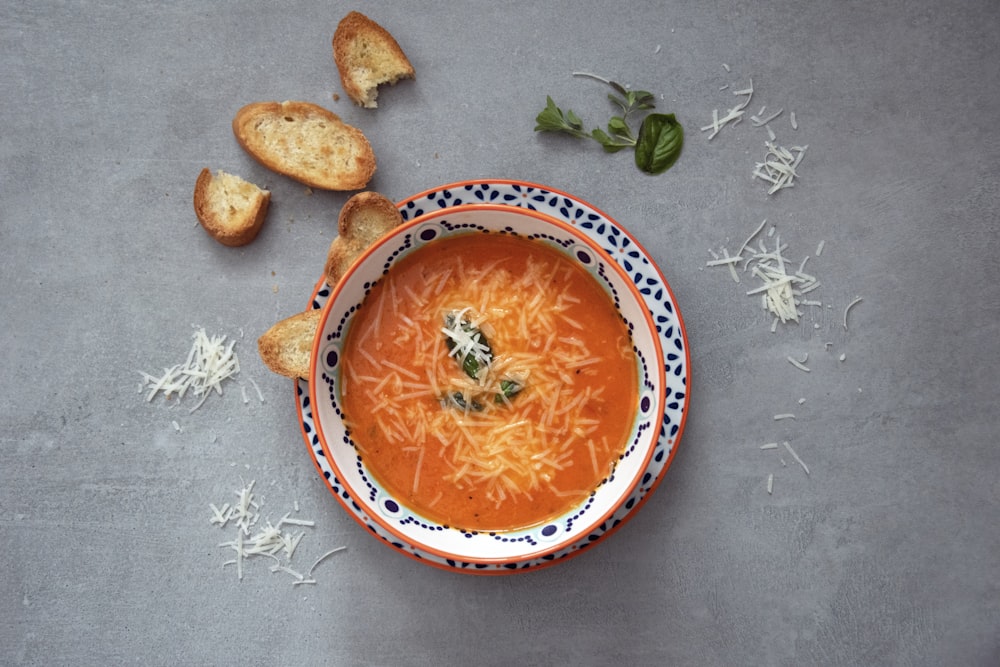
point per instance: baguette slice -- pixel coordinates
(230, 209)
(367, 56)
(307, 143)
(364, 219)
(286, 348)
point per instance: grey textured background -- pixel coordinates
(888, 554)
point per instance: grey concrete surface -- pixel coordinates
(887, 553)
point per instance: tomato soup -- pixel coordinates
(488, 382)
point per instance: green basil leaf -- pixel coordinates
(659, 144)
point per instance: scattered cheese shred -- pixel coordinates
(324, 557)
(256, 387)
(795, 456)
(761, 122)
(798, 364)
(770, 483)
(733, 115)
(848, 309)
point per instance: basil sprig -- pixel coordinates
(657, 145)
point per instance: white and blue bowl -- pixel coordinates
(638, 292)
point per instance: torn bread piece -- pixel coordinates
(231, 209)
(286, 348)
(364, 219)
(367, 56)
(307, 143)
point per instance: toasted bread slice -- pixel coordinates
(364, 219)
(307, 143)
(286, 348)
(230, 209)
(367, 56)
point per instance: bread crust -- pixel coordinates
(230, 227)
(364, 219)
(286, 348)
(367, 55)
(307, 143)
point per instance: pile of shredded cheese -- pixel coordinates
(271, 541)
(783, 283)
(209, 363)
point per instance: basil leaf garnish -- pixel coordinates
(659, 144)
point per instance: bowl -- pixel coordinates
(385, 508)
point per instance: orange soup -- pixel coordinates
(488, 382)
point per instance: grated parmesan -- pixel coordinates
(733, 115)
(270, 541)
(209, 363)
(781, 287)
(779, 165)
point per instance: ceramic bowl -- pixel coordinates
(387, 515)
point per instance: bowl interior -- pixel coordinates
(377, 504)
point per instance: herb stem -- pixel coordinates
(590, 75)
